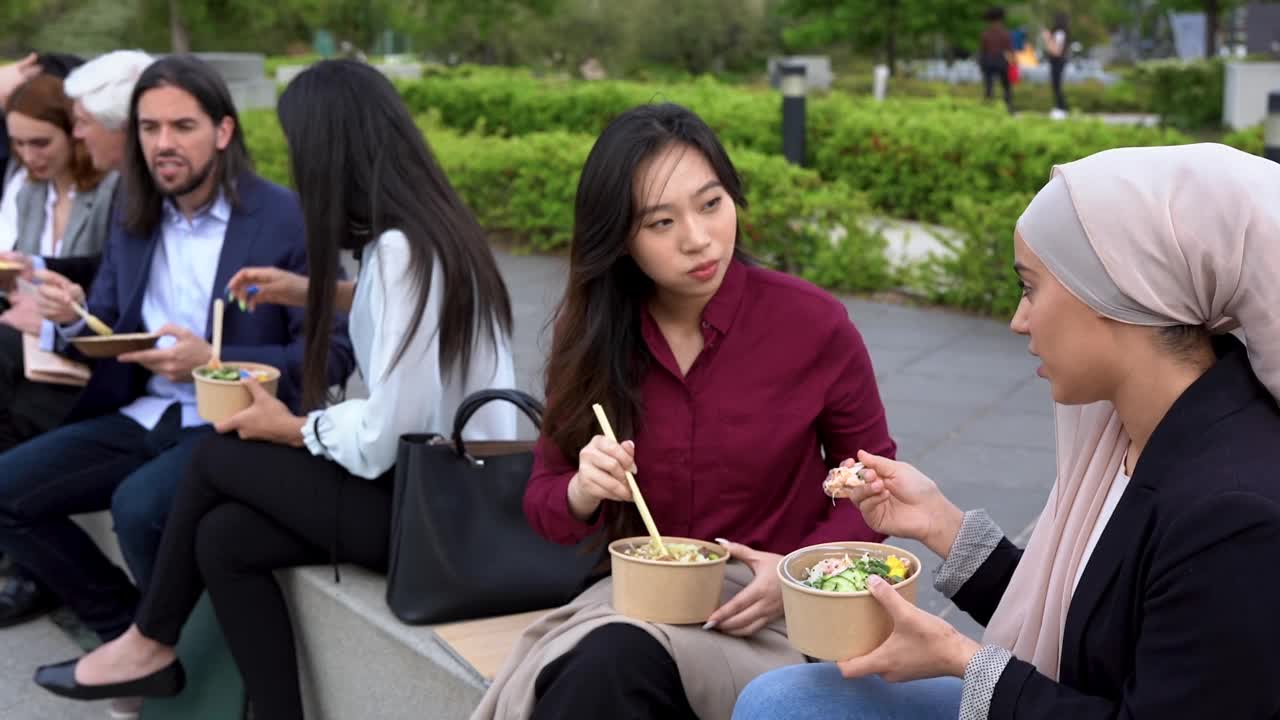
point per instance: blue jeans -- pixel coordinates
(817, 691)
(107, 462)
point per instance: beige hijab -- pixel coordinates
(1186, 235)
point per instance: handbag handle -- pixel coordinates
(527, 404)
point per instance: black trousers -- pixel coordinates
(27, 409)
(991, 71)
(244, 510)
(618, 672)
(1057, 66)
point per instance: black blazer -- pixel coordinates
(1175, 615)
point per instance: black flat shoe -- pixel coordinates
(60, 679)
(23, 600)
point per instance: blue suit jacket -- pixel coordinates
(265, 229)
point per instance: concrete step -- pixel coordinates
(22, 649)
(357, 660)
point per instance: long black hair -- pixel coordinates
(144, 206)
(597, 352)
(362, 167)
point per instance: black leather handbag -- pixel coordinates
(461, 547)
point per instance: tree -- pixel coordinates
(19, 19)
(179, 38)
(883, 25)
(474, 22)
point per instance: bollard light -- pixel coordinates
(880, 82)
(1271, 131)
(794, 86)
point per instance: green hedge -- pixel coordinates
(976, 272)
(523, 189)
(1090, 96)
(913, 159)
(1248, 140)
(909, 155)
(1186, 95)
(510, 103)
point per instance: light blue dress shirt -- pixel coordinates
(179, 292)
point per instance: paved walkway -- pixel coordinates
(963, 404)
(21, 649)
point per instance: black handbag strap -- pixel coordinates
(527, 404)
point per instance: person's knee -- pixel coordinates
(136, 511)
(12, 489)
(219, 540)
(771, 693)
(211, 455)
(610, 655)
(781, 692)
(598, 651)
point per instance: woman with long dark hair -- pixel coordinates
(1057, 43)
(430, 322)
(727, 384)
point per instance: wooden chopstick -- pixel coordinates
(631, 482)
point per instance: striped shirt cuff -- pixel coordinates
(980, 678)
(978, 537)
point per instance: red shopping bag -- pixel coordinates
(1013, 73)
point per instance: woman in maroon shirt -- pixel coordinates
(727, 382)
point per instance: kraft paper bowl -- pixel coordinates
(832, 625)
(217, 400)
(9, 272)
(667, 592)
(109, 346)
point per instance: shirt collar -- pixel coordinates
(51, 194)
(723, 306)
(219, 210)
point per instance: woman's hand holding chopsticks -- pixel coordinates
(602, 468)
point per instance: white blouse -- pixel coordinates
(1108, 507)
(9, 209)
(48, 246)
(415, 396)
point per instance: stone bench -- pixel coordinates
(357, 660)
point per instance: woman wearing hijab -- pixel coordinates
(1147, 588)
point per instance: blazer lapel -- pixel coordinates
(131, 318)
(31, 202)
(81, 210)
(237, 244)
(1128, 525)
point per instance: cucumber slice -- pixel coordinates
(839, 583)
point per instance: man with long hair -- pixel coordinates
(192, 213)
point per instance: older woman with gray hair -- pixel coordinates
(1146, 589)
(101, 90)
